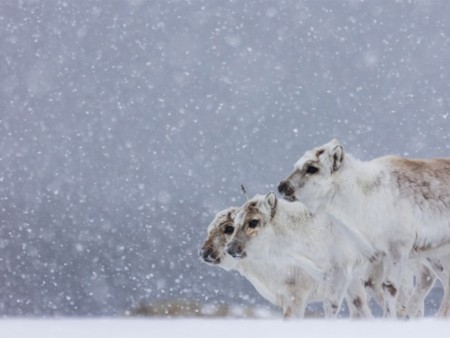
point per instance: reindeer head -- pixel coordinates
(250, 221)
(312, 177)
(219, 232)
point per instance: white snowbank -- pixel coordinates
(167, 328)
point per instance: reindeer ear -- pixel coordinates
(337, 157)
(272, 200)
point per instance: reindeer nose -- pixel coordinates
(205, 253)
(282, 187)
(235, 251)
(287, 190)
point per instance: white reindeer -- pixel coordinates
(285, 234)
(285, 286)
(401, 206)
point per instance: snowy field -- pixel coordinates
(126, 125)
(136, 328)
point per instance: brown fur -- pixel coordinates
(319, 152)
(274, 210)
(369, 283)
(337, 159)
(242, 236)
(357, 302)
(369, 186)
(427, 181)
(390, 288)
(216, 238)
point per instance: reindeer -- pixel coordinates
(287, 286)
(285, 234)
(400, 205)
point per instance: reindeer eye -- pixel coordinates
(311, 169)
(253, 223)
(229, 229)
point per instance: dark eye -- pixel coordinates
(253, 223)
(229, 229)
(311, 169)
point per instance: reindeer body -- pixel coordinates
(401, 206)
(287, 234)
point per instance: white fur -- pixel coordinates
(374, 199)
(295, 236)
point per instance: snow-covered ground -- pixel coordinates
(136, 328)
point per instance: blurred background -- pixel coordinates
(126, 125)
